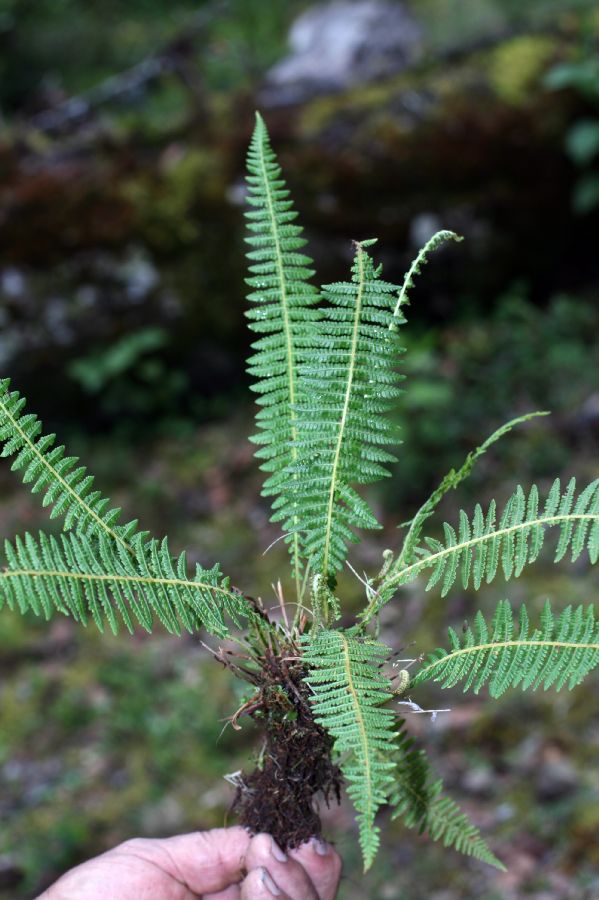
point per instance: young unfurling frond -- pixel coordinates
(349, 690)
(559, 653)
(81, 577)
(417, 800)
(431, 245)
(65, 486)
(479, 547)
(283, 312)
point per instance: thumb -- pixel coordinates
(203, 861)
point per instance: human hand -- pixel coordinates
(222, 864)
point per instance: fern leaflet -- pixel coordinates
(81, 576)
(349, 386)
(283, 312)
(349, 690)
(65, 486)
(560, 652)
(477, 549)
(418, 801)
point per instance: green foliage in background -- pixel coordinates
(66, 45)
(581, 75)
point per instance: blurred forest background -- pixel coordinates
(123, 129)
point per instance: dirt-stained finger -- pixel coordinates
(323, 865)
(289, 874)
(260, 885)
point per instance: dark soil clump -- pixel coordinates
(295, 765)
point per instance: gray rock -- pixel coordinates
(556, 778)
(341, 43)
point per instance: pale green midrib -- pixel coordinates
(343, 420)
(290, 356)
(500, 645)
(133, 579)
(361, 727)
(455, 548)
(67, 487)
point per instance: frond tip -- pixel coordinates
(349, 690)
(559, 653)
(64, 485)
(408, 283)
(417, 799)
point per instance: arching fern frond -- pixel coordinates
(283, 312)
(65, 486)
(349, 689)
(559, 653)
(349, 387)
(479, 547)
(84, 577)
(439, 238)
(450, 482)
(417, 800)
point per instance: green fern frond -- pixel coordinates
(477, 549)
(451, 482)
(559, 653)
(283, 312)
(65, 486)
(417, 799)
(82, 577)
(349, 387)
(349, 690)
(408, 283)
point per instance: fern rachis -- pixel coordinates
(325, 365)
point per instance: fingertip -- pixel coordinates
(260, 885)
(316, 849)
(322, 863)
(263, 850)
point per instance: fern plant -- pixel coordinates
(325, 364)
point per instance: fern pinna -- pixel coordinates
(325, 369)
(101, 569)
(557, 654)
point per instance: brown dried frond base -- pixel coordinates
(295, 765)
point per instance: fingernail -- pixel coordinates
(277, 852)
(320, 847)
(269, 883)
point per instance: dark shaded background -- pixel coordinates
(123, 129)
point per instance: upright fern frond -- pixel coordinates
(65, 486)
(477, 549)
(417, 799)
(349, 387)
(284, 314)
(82, 576)
(559, 653)
(349, 690)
